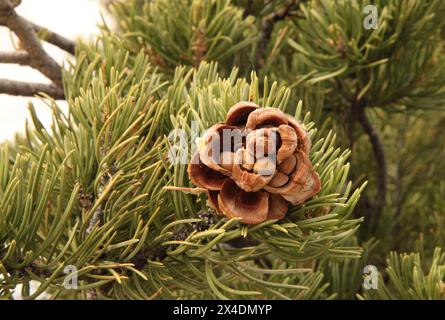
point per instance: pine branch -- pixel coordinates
(30, 89)
(160, 252)
(55, 39)
(33, 54)
(208, 218)
(409, 277)
(96, 219)
(40, 60)
(207, 41)
(18, 57)
(379, 155)
(267, 26)
(139, 212)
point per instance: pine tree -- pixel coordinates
(99, 193)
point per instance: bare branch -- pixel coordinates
(56, 39)
(30, 89)
(32, 53)
(40, 60)
(6, 9)
(379, 154)
(15, 3)
(18, 57)
(8, 5)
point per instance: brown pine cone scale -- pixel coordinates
(255, 164)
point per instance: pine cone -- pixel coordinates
(254, 164)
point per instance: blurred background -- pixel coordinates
(71, 18)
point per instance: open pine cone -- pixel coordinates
(254, 164)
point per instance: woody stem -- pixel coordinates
(379, 155)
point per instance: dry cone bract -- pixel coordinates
(255, 164)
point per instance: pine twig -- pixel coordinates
(33, 54)
(267, 26)
(40, 60)
(17, 57)
(30, 89)
(55, 39)
(208, 218)
(86, 202)
(379, 154)
(160, 252)
(96, 219)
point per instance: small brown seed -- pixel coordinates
(288, 165)
(264, 166)
(278, 180)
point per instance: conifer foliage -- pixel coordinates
(102, 191)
